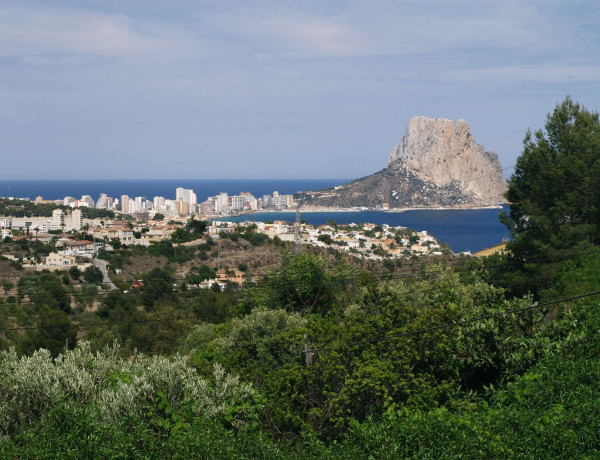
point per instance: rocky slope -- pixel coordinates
(437, 163)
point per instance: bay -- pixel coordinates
(465, 230)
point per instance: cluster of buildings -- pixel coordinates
(375, 242)
(185, 204)
(222, 279)
(368, 240)
(365, 240)
(59, 221)
(223, 204)
(71, 250)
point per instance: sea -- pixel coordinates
(464, 230)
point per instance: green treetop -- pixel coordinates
(554, 192)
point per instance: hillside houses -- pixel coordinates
(58, 261)
(365, 240)
(124, 235)
(373, 241)
(231, 276)
(158, 233)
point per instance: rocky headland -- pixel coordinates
(437, 164)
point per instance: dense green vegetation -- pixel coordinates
(554, 196)
(491, 358)
(22, 208)
(382, 381)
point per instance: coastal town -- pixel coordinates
(127, 222)
(185, 204)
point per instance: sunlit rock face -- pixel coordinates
(436, 164)
(441, 152)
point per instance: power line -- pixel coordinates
(409, 273)
(456, 323)
(312, 352)
(106, 324)
(415, 271)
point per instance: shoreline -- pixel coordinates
(321, 209)
(441, 208)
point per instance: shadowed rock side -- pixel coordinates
(437, 163)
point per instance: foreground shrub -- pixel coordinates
(112, 388)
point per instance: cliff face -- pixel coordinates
(437, 163)
(441, 152)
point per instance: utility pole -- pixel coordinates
(308, 353)
(35, 251)
(297, 228)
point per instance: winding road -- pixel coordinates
(101, 264)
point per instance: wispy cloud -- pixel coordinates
(45, 59)
(289, 34)
(542, 72)
(314, 78)
(55, 36)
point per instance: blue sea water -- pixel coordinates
(54, 189)
(464, 230)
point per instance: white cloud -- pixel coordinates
(290, 34)
(56, 34)
(275, 30)
(434, 27)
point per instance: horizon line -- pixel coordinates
(181, 179)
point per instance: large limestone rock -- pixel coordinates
(437, 164)
(442, 152)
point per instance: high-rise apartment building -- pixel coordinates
(124, 204)
(159, 203)
(182, 207)
(76, 220)
(186, 194)
(58, 220)
(237, 202)
(102, 202)
(140, 204)
(89, 202)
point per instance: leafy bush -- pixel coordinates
(74, 272)
(45, 291)
(166, 249)
(16, 265)
(325, 239)
(114, 387)
(114, 258)
(93, 274)
(88, 292)
(255, 239)
(548, 412)
(262, 340)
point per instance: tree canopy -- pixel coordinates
(92, 274)
(554, 192)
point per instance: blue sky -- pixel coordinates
(276, 89)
